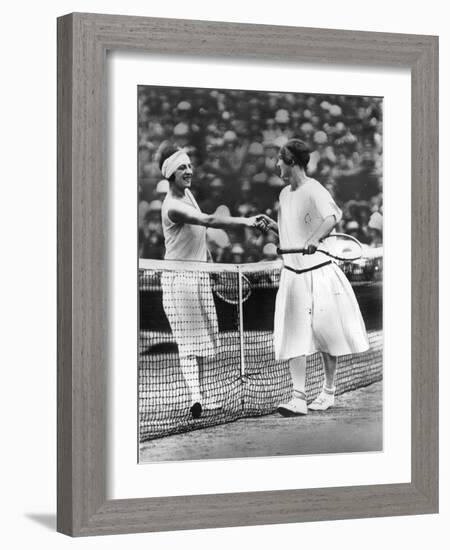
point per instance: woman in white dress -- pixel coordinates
(316, 308)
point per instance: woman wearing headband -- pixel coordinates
(187, 296)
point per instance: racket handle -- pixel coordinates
(291, 250)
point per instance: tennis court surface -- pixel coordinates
(353, 425)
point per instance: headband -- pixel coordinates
(173, 162)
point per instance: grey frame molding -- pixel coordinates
(83, 41)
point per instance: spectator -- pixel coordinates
(234, 137)
(375, 226)
(269, 252)
(237, 254)
(214, 197)
(161, 189)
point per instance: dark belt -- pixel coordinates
(299, 271)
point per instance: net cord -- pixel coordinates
(181, 265)
(209, 267)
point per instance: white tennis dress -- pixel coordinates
(187, 296)
(315, 310)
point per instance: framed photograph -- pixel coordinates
(216, 338)
(247, 274)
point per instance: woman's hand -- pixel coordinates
(311, 246)
(265, 223)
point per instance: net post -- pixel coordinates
(241, 320)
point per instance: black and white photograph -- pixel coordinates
(260, 242)
(173, 375)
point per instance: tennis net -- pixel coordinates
(223, 314)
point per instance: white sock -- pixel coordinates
(190, 370)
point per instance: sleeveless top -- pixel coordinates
(183, 241)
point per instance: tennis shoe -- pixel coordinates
(196, 410)
(295, 407)
(323, 401)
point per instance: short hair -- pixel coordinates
(295, 151)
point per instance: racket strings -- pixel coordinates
(231, 287)
(338, 246)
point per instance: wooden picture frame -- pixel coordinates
(83, 42)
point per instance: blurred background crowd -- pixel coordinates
(233, 139)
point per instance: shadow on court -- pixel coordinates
(354, 425)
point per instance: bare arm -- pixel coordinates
(330, 214)
(322, 231)
(313, 242)
(195, 217)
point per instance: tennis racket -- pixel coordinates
(226, 286)
(338, 246)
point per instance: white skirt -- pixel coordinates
(317, 311)
(189, 306)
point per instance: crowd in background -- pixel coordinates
(233, 139)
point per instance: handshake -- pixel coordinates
(262, 222)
